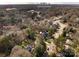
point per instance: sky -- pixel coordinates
(39, 1)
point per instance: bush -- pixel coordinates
(68, 53)
(60, 43)
(40, 48)
(31, 34)
(51, 31)
(18, 51)
(6, 45)
(23, 27)
(60, 39)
